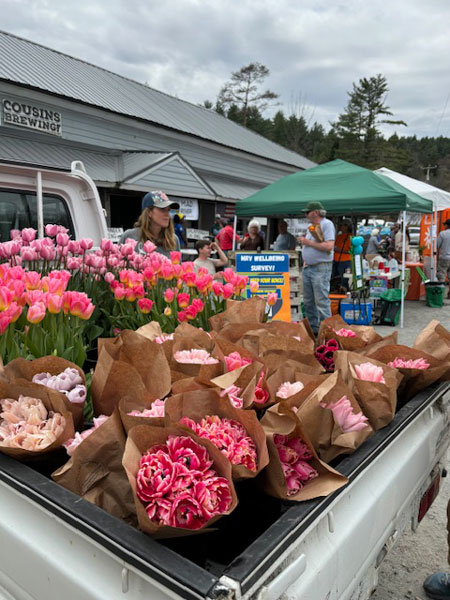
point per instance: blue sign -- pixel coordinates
(264, 262)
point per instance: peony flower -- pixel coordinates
(195, 356)
(25, 423)
(287, 389)
(294, 454)
(69, 382)
(156, 410)
(233, 396)
(72, 444)
(345, 417)
(401, 363)
(369, 372)
(229, 436)
(164, 337)
(345, 332)
(235, 361)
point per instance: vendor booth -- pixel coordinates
(344, 189)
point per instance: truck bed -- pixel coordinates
(87, 553)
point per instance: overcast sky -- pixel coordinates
(315, 49)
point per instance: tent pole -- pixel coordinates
(434, 231)
(234, 231)
(402, 305)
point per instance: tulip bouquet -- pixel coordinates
(39, 316)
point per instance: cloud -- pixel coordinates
(315, 49)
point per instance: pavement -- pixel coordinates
(417, 555)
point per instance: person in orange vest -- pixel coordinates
(342, 256)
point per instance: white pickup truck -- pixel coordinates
(56, 546)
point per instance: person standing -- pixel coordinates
(225, 236)
(342, 256)
(179, 229)
(154, 224)
(317, 250)
(254, 240)
(373, 245)
(217, 226)
(443, 247)
(437, 586)
(285, 240)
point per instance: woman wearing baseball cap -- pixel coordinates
(154, 224)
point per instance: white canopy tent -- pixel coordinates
(440, 199)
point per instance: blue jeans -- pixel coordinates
(316, 287)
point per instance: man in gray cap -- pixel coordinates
(443, 246)
(317, 252)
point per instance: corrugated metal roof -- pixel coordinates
(126, 168)
(234, 190)
(33, 65)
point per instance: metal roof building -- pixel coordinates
(131, 138)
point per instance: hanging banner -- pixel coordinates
(271, 271)
(189, 208)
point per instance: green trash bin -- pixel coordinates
(390, 301)
(435, 292)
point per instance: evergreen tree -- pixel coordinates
(358, 126)
(243, 90)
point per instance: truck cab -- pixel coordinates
(31, 196)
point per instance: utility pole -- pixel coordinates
(428, 169)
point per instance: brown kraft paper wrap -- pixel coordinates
(245, 311)
(279, 353)
(291, 374)
(20, 368)
(244, 378)
(434, 339)
(140, 440)
(390, 339)
(129, 403)
(200, 338)
(52, 401)
(196, 405)
(130, 362)
(378, 400)
(414, 380)
(365, 335)
(273, 482)
(325, 434)
(95, 470)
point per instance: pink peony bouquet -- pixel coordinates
(287, 389)
(401, 363)
(233, 392)
(196, 356)
(164, 337)
(26, 424)
(156, 410)
(345, 417)
(370, 372)
(229, 436)
(69, 382)
(72, 444)
(178, 486)
(345, 332)
(294, 456)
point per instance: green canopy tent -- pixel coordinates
(344, 189)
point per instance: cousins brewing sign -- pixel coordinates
(31, 117)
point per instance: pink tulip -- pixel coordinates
(36, 312)
(233, 393)
(345, 332)
(107, 245)
(164, 337)
(85, 243)
(183, 300)
(27, 253)
(272, 298)
(156, 410)
(62, 239)
(51, 230)
(72, 444)
(369, 372)
(145, 305)
(149, 247)
(345, 417)
(228, 290)
(401, 363)
(28, 234)
(235, 361)
(169, 295)
(254, 286)
(229, 276)
(6, 297)
(195, 356)
(175, 257)
(54, 303)
(288, 389)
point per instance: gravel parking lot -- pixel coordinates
(416, 555)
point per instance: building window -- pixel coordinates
(19, 209)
